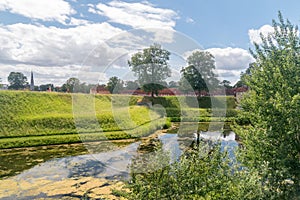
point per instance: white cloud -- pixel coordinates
(92, 10)
(230, 62)
(137, 15)
(189, 20)
(53, 74)
(231, 58)
(54, 10)
(52, 50)
(254, 34)
(25, 43)
(76, 22)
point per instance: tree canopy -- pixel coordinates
(115, 85)
(17, 80)
(272, 142)
(71, 85)
(151, 68)
(199, 73)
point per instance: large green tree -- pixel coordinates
(151, 68)
(17, 80)
(71, 85)
(200, 72)
(115, 85)
(272, 141)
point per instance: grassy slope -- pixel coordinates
(31, 118)
(48, 117)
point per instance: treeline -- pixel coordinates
(151, 68)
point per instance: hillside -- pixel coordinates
(33, 118)
(37, 118)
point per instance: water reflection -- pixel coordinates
(178, 143)
(115, 163)
(112, 164)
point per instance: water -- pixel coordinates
(81, 170)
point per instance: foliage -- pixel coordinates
(273, 108)
(151, 67)
(203, 173)
(199, 74)
(46, 87)
(226, 84)
(189, 101)
(131, 85)
(71, 85)
(115, 85)
(242, 81)
(17, 80)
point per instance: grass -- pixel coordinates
(37, 114)
(28, 141)
(37, 118)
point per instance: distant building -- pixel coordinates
(31, 82)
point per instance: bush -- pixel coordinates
(204, 173)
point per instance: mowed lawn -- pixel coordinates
(41, 118)
(36, 118)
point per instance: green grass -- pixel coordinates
(36, 114)
(37, 118)
(139, 131)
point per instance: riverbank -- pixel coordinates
(37, 118)
(92, 170)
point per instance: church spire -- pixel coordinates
(31, 82)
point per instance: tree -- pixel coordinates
(199, 72)
(71, 85)
(192, 80)
(17, 80)
(46, 87)
(226, 84)
(151, 67)
(272, 141)
(132, 85)
(115, 85)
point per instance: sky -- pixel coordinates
(93, 39)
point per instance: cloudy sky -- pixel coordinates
(93, 39)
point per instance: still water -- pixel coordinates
(108, 162)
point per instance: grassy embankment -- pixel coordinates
(206, 109)
(33, 119)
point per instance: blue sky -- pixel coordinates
(93, 39)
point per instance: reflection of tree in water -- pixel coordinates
(90, 168)
(187, 133)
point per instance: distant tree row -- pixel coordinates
(151, 68)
